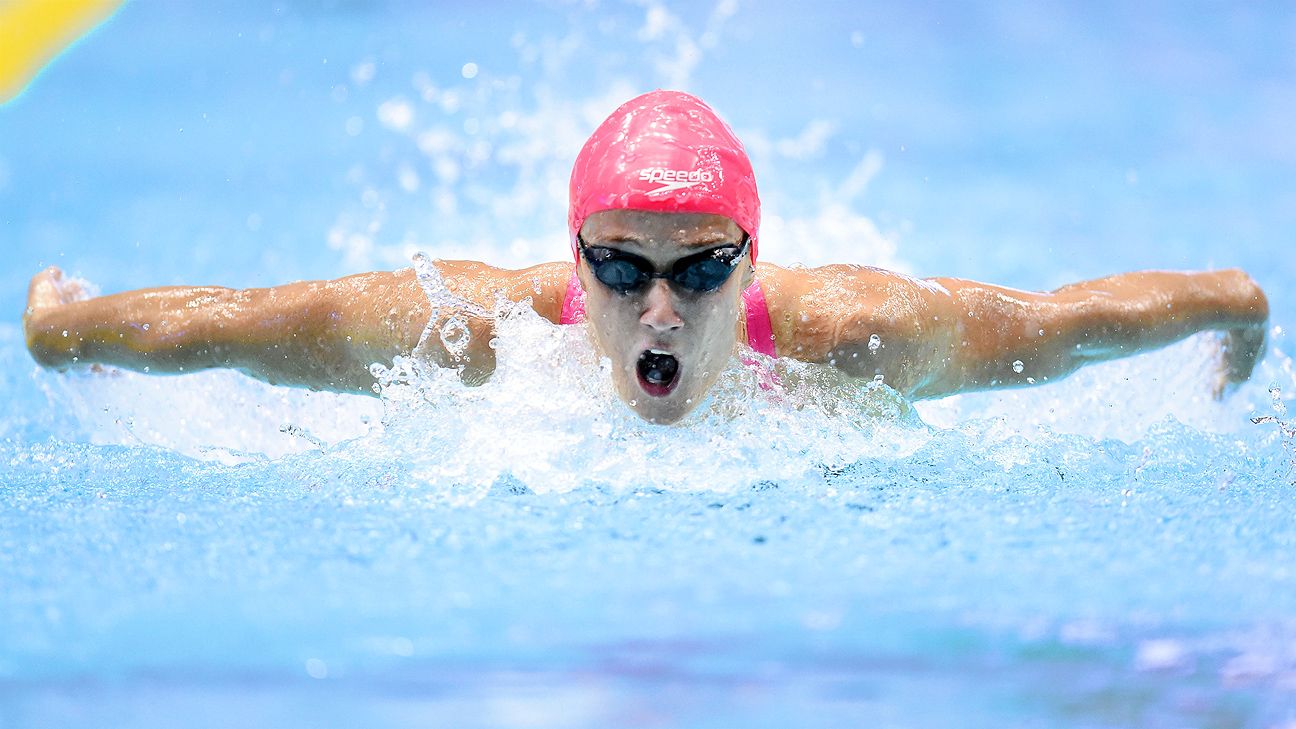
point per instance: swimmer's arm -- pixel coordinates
(988, 329)
(315, 334)
(935, 337)
(321, 335)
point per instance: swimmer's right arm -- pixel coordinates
(322, 335)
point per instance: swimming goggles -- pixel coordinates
(625, 272)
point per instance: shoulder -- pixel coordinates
(545, 284)
(818, 310)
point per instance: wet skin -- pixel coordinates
(934, 337)
(699, 329)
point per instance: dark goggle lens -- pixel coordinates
(705, 275)
(619, 274)
(624, 272)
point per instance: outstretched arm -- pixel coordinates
(317, 334)
(943, 336)
(1054, 334)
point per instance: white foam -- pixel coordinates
(549, 418)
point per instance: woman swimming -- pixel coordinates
(664, 220)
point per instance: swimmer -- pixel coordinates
(664, 221)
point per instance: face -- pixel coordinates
(667, 342)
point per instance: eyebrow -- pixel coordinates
(714, 239)
(621, 238)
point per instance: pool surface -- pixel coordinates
(1114, 550)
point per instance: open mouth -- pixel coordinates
(658, 372)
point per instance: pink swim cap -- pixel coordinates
(664, 151)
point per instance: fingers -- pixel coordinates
(1240, 351)
(52, 288)
(1243, 348)
(1221, 387)
(43, 291)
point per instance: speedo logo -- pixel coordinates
(672, 180)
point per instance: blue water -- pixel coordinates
(1113, 550)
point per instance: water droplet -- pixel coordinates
(1041, 332)
(878, 378)
(441, 298)
(65, 332)
(875, 343)
(1030, 380)
(455, 336)
(146, 327)
(1018, 366)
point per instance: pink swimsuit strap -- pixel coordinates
(760, 332)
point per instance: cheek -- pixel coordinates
(721, 315)
(715, 329)
(612, 321)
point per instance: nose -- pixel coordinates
(659, 309)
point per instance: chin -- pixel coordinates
(658, 410)
(662, 416)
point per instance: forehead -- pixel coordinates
(655, 228)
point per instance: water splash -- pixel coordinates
(549, 419)
(1286, 429)
(446, 321)
(455, 337)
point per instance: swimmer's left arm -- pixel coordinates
(999, 337)
(936, 337)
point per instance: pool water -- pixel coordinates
(1113, 550)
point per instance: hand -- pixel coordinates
(49, 290)
(1239, 351)
(52, 287)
